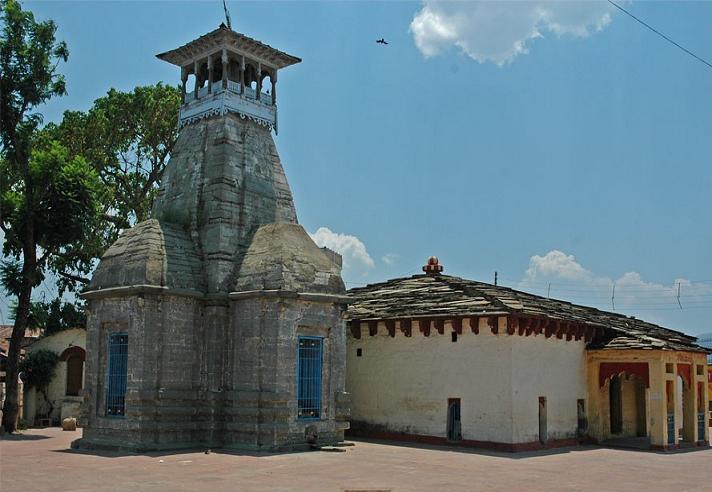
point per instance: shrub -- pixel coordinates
(38, 368)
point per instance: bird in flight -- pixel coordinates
(382, 41)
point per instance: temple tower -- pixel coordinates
(218, 321)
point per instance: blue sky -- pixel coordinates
(570, 149)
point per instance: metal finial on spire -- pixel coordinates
(227, 16)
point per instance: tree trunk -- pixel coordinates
(29, 274)
(11, 408)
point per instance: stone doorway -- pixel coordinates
(627, 406)
(627, 411)
(641, 420)
(454, 426)
(615, 405)
(685, 410)
(543, 430)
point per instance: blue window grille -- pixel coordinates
(671, 428)
(701, 425)
(309, 365)
(117, 375)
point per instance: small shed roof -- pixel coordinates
(443, 295)
(31, 334)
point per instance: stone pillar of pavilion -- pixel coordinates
(210, 74)
(184, 81)
(224, 60)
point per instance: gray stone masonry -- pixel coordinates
(224, 180)
(214, 291)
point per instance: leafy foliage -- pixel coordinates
(38, 368)
(28, 58)
(61, 207)
(127, 137)
(54, 316)
(66, 190)
(48, 197)
(58, 204)
(62, 316)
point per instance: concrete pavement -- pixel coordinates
(40, 460)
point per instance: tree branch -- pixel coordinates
(44, 256)
(115, 220)
(76, 278)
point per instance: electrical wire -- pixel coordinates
(642, 22)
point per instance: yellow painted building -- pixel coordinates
(660, 395)
(709, 386)
(64, 392)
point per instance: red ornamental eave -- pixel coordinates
(511, 321)
(391, 327)
(608, 369)
(372, 328)
(475, 325)
(523, 326)
(516, 323)
(356, 329)
(493, 322)
(424, 325)
(406, 327)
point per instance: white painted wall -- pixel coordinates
(56, 391)
(552, 368)
(403, 383)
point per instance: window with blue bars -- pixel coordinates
(309, 365)
(118, 351)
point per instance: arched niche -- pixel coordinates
(74, 357)
(251, 76)
(267, 85)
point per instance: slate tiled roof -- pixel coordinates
(180, 55)
(444, 295)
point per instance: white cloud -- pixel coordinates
(355, 256)
(501, 31)
(390, 258)
(557, 264)
(568, 279)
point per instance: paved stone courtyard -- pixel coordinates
(40, 460)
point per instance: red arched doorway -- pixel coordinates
(74, 357)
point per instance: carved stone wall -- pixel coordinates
(213, 292)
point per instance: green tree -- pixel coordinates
(47, 197)
(54, 316)
(127, 137)
(37, 372)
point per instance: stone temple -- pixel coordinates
(218, 322)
